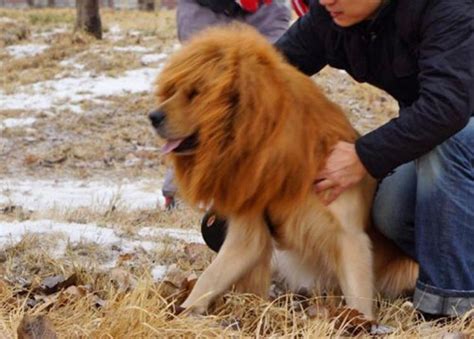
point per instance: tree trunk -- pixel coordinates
(88, 17)
(146, 5)
(51, 3)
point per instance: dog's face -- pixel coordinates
(175, 121)
(190, 91)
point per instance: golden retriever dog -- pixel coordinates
(248, 133)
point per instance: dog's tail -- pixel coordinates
(395, 272)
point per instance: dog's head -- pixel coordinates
(228, 110)
(207, 88)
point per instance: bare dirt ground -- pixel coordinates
(85, 248)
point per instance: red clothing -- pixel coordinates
(251, 5)
(301, 7)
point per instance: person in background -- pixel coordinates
(270, 17)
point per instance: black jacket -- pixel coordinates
(419, 51)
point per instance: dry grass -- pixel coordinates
(132, 305)
(146, 310)
(99, 56)
(113, 133)
(112, 138)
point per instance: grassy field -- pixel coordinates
(85, 249)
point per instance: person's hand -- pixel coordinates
(343, 169)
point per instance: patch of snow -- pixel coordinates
(152, 58)
(136, 49)
(16, 122)
(46, 94)
(114, 33)
(115, 29)
(158, 272)
(189, 236)
(75, 108)
(73, 233)
(50, 33)
(13, 232)
(72, 63)
(20, 51)
(62, 195)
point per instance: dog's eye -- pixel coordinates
(192, 94)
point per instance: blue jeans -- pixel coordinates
(427, 208)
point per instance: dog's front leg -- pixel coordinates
(247, 240)
(354, 270)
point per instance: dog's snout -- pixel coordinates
(157, 117)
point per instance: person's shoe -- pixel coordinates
(213, 230)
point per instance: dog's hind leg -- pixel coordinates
(395, 272)
(247, 243)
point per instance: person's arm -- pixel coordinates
(446, 98)
(302, 45)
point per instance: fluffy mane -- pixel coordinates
(265, 129)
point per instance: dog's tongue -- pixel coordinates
(171, 145)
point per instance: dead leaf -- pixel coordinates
(56, 283)
(31, 159)
(36, 327)
(75, 291)
(351, 320)
(188, 284)
(125, 257)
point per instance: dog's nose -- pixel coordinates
(157, 117)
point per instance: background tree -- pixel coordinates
(88, 17)
(146, 5)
